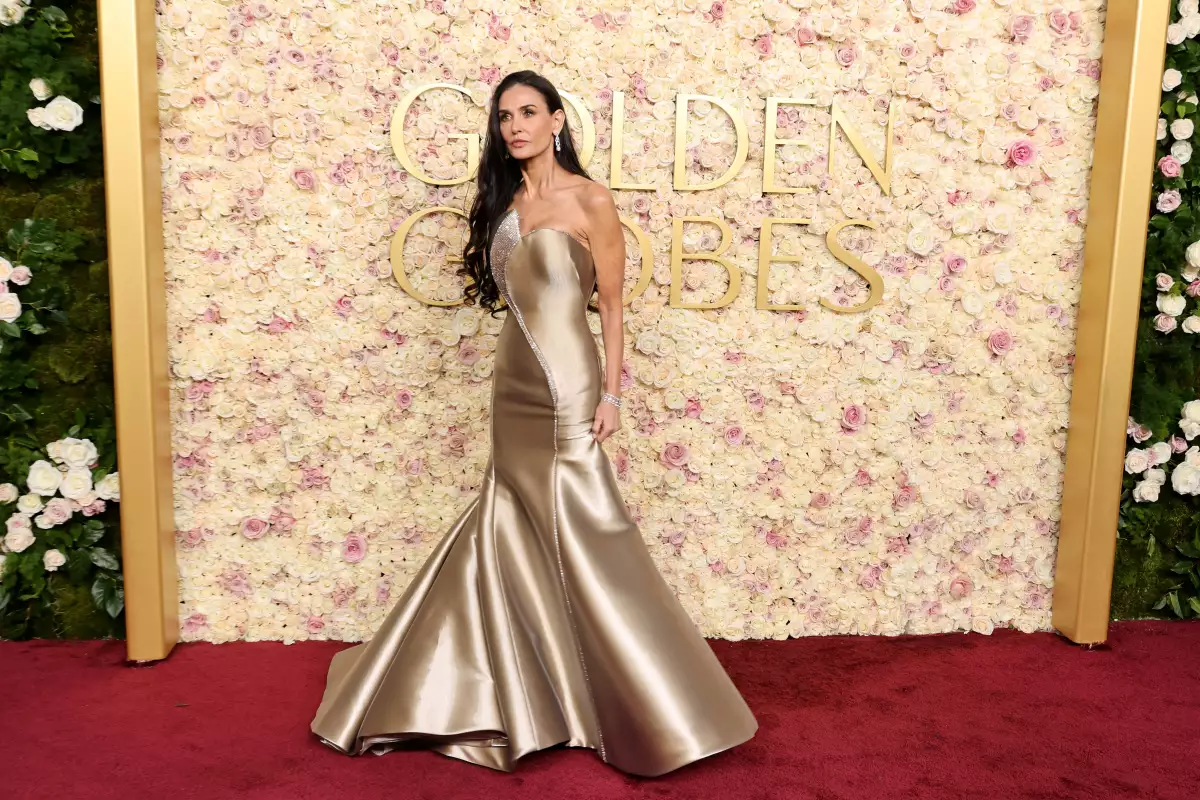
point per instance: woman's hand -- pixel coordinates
(607, 421)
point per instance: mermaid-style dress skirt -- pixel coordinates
(540, 618)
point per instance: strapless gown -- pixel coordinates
(540, 618)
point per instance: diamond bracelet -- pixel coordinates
(610, 398)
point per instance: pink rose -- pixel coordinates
(1022, 153)
(1000, 342)
(971, 499)
(963, 6)
(21, 276)
(1163, 282)
(763, 45)
(1178, 444)
(904, 498)
(254, 528)
(1193, 289)
(1170, 167)
(404, 399)
(820, 500)
(717, 10)
(354, 548)
(674, 454)
(94, 508)
(960, 587)
(304, 178)
(870, 577)
(1169, 200)
(261, 136)
(1021, 27)
(468, 354)
(756, 400)
(953, 263)
(945, 283)
(735, 435)
(805, 35)
(315, 624)
(1165, 323)
(854, 418)
(1060, 22)
(847, 54)
(282, 520)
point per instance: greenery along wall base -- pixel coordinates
(1158, 552)
(60, 577)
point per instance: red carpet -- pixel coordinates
(962, 716)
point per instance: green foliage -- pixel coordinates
(1157, 557)
(56, 358)
(56, 43)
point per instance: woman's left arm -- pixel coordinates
(607, 241)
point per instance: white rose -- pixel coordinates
(1137, 461)
(76, 484)
(6, 269)
(1182, 128)
(8, 493)
(41, 90)
(1182, 151)
(920, 241)
(1172, 304)
(19, 539)
(64, 114)
(1193, 254)
(44, 478)
(29, 504)
(972, 303)
(12, 11)
(10, 307)
(1191, 24)
(1172, 77)
(75, 453)
(1176, 33)
(1160, 453)
(37, 116)
(1155, 476)
(1191, 411)
(1190, 428)
(1162, 129)
(1191, 324)
(1185, 479)
(1146, 492)
(52, 560)
(109, 487)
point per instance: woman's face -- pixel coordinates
(526, 123)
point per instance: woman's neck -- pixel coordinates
(537, 175)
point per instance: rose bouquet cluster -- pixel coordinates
(10, 304)
(1158, 553)
(57, 524)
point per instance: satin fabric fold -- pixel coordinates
(540, 618)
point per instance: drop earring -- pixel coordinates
(557, 143)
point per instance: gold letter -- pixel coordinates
(397, 255)
(874, 279)
(397, 134)
(616, 179)
(677, 257)
(884, 176)
(681, 124)
(765, 259)
(587, 128)
(770, 143)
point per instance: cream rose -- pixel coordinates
(109, 487)
(41, 90)
(44, 478)
(52, 560)
(75, 453)
(10, 307)
(8, 493)
(76, 484)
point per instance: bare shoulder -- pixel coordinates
(594, 197)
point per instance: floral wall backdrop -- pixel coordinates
(794, 472)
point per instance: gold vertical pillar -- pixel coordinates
(1114, 250)
(133, 186)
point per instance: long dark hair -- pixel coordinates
(496, 186)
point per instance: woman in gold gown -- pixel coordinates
(540, 618)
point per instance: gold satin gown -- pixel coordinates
(540, 618)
